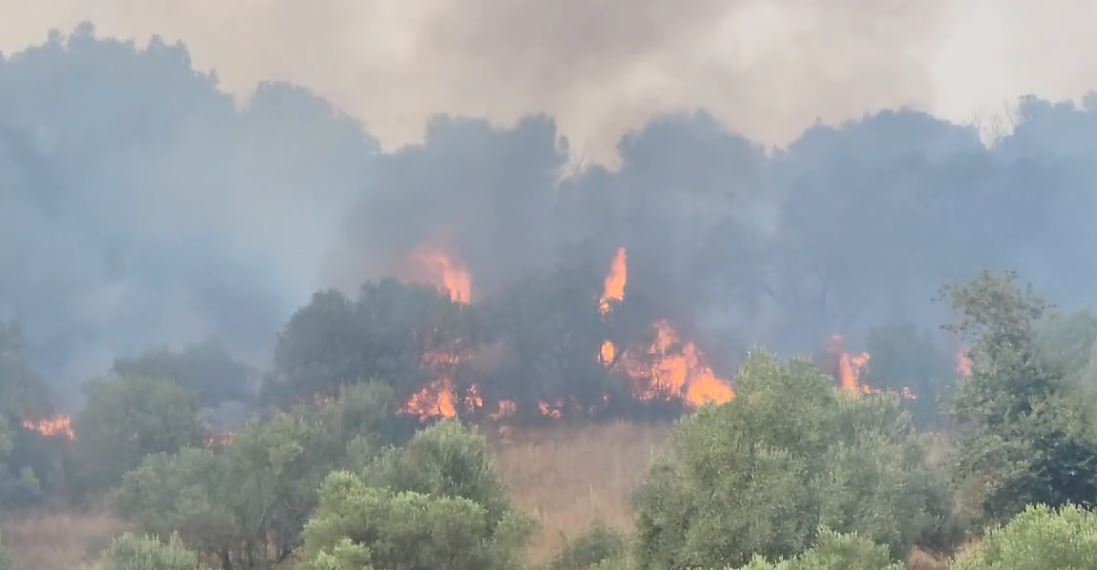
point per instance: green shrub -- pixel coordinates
(129, 552)
(835, 552)
(598, 544)
(1036, 539)
(444, 460)
(357, 526)
(761, 474)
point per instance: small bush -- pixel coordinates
(835, 552)
(1038, 538)
(598, 544)
(357, 525)
(129, 552)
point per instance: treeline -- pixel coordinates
(794, 473)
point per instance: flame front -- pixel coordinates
(55, 427)
(670, 371)
(613, 290)
(448, 273)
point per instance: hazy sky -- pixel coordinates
(766, 68)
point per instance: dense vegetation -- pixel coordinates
(795, 473)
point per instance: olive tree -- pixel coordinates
(791, 454)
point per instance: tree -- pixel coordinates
(126, 419)
(443, 460)
(246, 504)
(383, 333)
(598, 544)
(30, 466)
(22, 391)
(357, 525)
(1023, 439)
(1040, 537)
(435, 503)
(205, 369)
(835, 552)
(129, 552)
(761, 474)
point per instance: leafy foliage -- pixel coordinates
(129, 552)
(443, 460)
(126, 419)
(835, 552)
(435, 503)
(356, 525)
(205, 369)
(334, 341)
(1023, 439)
(1038, 538)
(761, 474)
(598, 544)
(247, 503)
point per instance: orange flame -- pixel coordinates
(670, 370)
(451, 274)
(614, 287)
(608, 352)
(507, 408)
(55, 427)
(550, 411)
(850, 367)
(434, 401)
(963, 362)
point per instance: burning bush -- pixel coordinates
(761, 474)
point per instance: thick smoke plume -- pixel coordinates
(140, 206)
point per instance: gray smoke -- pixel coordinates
(139, 206)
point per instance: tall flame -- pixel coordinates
(849, 366)
(614, 288)
(451, 273)
(55, 427)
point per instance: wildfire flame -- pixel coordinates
(448, 273)
(614, 287)
(434, 401)
(608, 352)
(963, 362)
(670, 370)
(55, 427)
(849, 366)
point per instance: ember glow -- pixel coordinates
(608, 353)
(963, 363)
(614, 288)
(447, 273)
(55, 427)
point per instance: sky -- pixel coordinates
(601, 68)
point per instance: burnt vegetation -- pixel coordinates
(832, 405)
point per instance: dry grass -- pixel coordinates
(57, 541)
(568, 477)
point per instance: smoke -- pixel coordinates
(766, 68)
(140, 205)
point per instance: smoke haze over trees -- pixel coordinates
(142, 207)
